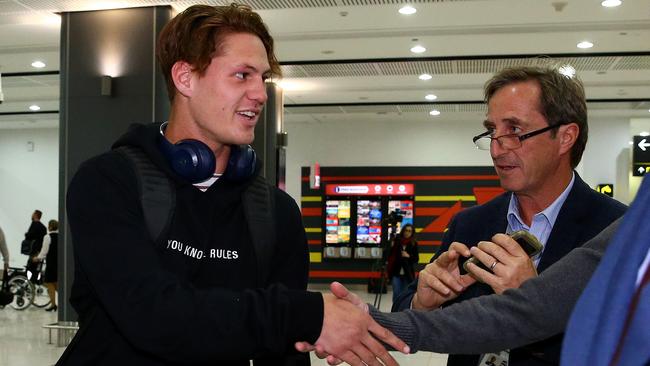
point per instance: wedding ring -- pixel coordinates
(493, 265)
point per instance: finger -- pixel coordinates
(342, 292)
(331, 360)
(364, 353)
(321, 354)
(351, 358)
(387, 337)
(378, 352)
(509, 244)
(442, 281)
(304, 347)
(482, 275)
(339, 290)
(460, 248)
(496, 251)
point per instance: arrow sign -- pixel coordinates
(642, 144)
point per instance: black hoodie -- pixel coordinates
(191, 299)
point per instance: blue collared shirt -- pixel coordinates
(542, 223)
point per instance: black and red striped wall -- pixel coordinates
(440, 192)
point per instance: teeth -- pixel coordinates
(248, 113)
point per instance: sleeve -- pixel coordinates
(539, 309)
(45, 248)
(404, 300)
(153, 309)
(290, 268)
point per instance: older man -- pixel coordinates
(536, 131)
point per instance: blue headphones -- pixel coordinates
(195, 161)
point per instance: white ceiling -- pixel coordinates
(338, 54)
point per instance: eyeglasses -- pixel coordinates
(510, 141)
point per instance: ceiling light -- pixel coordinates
(430, 97)
(435, 112)
(567, 70)
(34, 108)
(418, 49)
(644, 133)
(407, 10)
(611, 3)
(585, 44)
(425, 77)
(38, 64)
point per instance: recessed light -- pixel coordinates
(585, 44)
(38, 64)
(425, 77)
(34, 108)
(611, 3)
(435, 112)
(567, 70)
(418, 49)
(644, 133)
(430, 97)
(407, 10)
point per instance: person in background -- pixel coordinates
(35, 234)
(4, 250)
(401, 260)
(610, 324)
(49, 254)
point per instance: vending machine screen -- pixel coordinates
(337, 222)
(368, 222)
(405, 210)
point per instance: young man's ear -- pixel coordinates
(182, 77)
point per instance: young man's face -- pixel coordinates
(227, 100)
(531, 167)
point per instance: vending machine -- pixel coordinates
(360, 219)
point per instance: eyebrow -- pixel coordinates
(253, 68)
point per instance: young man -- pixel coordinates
(195, 297)
(536, 132)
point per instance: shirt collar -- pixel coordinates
(549, 213)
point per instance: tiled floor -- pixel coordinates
(23, 341)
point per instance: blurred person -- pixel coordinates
(536, 131)
(195, 296)
(4, 250)
(35, 234)
(609, 324)
(49, 254)
(401, 260)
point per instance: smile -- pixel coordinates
(248, 114)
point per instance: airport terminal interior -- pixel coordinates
(374, 115)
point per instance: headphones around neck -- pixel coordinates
(194, 160)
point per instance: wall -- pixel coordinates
(434, 143)
(28, 181)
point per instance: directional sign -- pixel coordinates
(641, 155)
(606, 189)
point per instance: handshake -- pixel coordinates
(350, 335)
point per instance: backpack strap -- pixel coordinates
(157, 194)
(259, 207)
